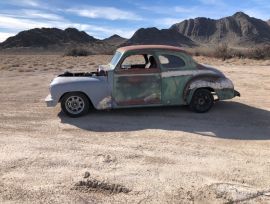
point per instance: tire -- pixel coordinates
(75, 104)
(202, 101)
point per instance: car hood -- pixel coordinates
(65, 80)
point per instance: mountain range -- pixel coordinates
(238, 30)
(156, 36)
(45, 37)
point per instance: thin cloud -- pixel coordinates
(109, 32)
(4, 36)
(14, 25)
(168, 21)
(40, 14)
(262, 3)
(9, 22)
(27, 3)
(257, 13)
(168, 10)
(32, 14)
(102, 31)
(213, 2)
(109, 13)
(30, 2)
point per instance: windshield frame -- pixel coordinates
(115, 59)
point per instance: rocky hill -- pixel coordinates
(239, 29)
(162, 37)
(268, 22)
(45, 37)
(115, 40)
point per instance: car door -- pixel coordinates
(134, 83)
(175, 74)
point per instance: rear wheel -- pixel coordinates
(75, 104)
(202, 101)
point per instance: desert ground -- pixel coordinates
(161, 155)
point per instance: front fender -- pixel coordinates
(97, 89)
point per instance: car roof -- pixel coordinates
(153, 47)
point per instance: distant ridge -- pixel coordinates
(238, 29)
(44, 37)
(162, 37)
(115, 40)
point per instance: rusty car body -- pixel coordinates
(142, 76)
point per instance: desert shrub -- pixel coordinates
(260, 53)
(196, 53)
(266, 51)
(255, 53)
(202, 51)
(76, 52)
(237, 53)
(222, 51)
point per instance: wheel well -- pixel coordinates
(90, 102)
(207, 88)
(190, 94)
(211, 90)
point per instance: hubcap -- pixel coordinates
(203, 102)
(74, 104)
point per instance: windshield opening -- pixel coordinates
(115, 58)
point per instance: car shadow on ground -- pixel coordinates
(230, 120)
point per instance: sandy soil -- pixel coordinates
(163, 155)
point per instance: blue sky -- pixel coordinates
(103, 18)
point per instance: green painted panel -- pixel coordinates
(224, 94)
(173, 86)
(172, 90)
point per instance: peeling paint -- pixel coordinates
(185, 73)
(105, 103)
(137, 89)
(222, 83)
(152, 97)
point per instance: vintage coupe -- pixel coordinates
(142, 76)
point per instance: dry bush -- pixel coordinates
(259, 53)
(77, 52)
(237, 53)
(202, 51)
(220, 51)
(224, 52)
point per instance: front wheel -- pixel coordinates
(75, 104)
(202, 101)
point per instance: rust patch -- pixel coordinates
(137, 71)
(143, 101)
(137, 89)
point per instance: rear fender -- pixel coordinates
(222, 86)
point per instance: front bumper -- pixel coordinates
(50, 102)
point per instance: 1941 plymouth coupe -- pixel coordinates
(142, 76)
